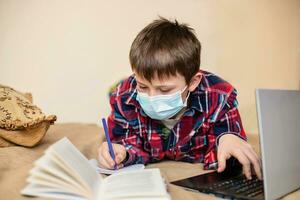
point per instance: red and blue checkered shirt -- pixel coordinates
(211, 112)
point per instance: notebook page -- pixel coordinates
(100, 170)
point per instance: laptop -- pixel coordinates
(279, 126)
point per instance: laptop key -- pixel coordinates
(240, 185)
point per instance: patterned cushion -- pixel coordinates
(21, 122)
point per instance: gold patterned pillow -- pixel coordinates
(19, 118)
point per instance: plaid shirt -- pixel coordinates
(211, 112)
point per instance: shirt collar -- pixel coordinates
(132, 93)
(131, 100)
(195, 99)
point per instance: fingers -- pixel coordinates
(254, 159)
(105, 159)
(108, 158)
(120, 166)
(103, 163)
(247, 157)
(120, 158)
(222, 157)
(120, 152)
(243, 159)
(232, 145)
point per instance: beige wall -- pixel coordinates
(68, 52)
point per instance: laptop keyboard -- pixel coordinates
(241, 186)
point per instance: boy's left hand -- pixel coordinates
(232, 145)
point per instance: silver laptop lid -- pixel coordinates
(279, 126)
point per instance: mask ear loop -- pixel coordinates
(187, 97)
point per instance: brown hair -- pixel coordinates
(164, 48)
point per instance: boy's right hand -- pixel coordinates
(104, 158)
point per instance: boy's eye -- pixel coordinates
(142, 87)
(165, 90)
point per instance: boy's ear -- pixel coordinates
(195, 81)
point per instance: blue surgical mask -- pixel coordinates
(162, 106)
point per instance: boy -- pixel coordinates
(169, 108)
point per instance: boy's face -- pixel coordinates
(167, 85)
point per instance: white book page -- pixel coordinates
(42, 191)
(67, 170)
(46, 179)
(48, 166)
(145, 183)
(100, 170)
(70, 158)
(49, 175)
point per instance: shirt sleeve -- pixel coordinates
(225, 120)
(121, 132)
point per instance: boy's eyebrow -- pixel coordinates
(165, 86)
(158, 86)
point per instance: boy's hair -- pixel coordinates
(164, 48)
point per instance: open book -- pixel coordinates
(64, 172)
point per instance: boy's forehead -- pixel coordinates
(161, 80)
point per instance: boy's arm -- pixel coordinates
(225, 120)
(122, 133)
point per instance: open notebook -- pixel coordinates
(63, 172)
(100, 170)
